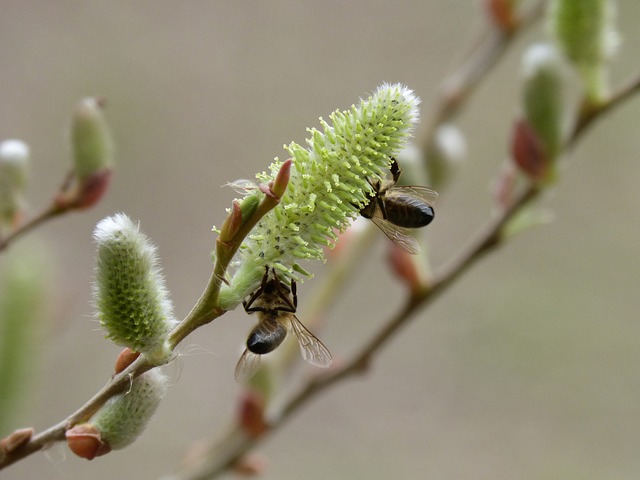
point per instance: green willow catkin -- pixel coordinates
(329, 184)
(132, 302)
(585, 33)
(121, 420)
(124, 417)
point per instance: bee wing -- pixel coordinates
(424, 193)
(398, 235)
(247, 366)
(242, 185)
(312, 349)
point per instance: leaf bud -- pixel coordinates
(503, 13)
(251, 413)
(16, 440)
(85, 441)
(93, 157)
(91, 138)
(538, 137)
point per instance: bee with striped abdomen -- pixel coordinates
(397, 208)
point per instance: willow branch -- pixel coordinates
(205, 311)
(47, 214)
(590, 113)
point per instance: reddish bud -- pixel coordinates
(527, 151)
(85, 441)
(232, 223)
(251, 465)
(251, 414)
(84, 193)
(503, 13)
(125, 358)
(406, 267)
(93, 188)
(16, 440)
(282, 179)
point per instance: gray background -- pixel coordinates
(527, 368)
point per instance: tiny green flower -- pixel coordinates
(132, 302)
(329, 183)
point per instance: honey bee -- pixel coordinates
(397, 208)
(276, 305)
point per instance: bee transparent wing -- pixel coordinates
(312, 349)
(247, 366)
(242, 185)
(398, 235)
(423, 193)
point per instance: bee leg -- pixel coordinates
(395, 170)
(382, 207)
(294, 294)
(290, 298)
(247, 303)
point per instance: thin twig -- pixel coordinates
(50, 212)
(591, 113)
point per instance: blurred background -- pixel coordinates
(527, 368)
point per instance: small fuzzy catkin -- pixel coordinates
(121, 420)
(131, 300)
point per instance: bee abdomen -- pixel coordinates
(409, 212)
(266, 337)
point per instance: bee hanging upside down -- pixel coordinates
(397, 208)
(275, 304)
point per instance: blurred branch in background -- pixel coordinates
(484, 53)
